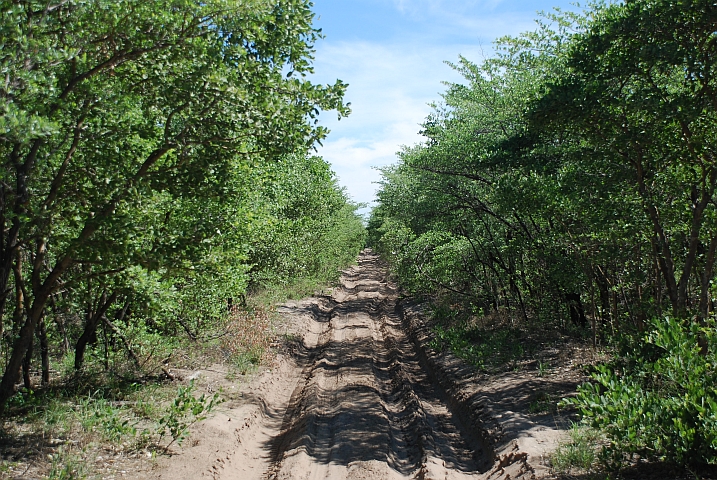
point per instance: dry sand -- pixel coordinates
(358, 394)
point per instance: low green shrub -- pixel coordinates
(662, 405)
(185, 411)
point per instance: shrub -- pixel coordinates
(661, 406)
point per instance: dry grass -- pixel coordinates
(248, 336)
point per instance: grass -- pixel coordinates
(247, 338)
(61, 436)
(498, 342)
(579, 452)
(66, 465)
(543, 402)
(272, 294)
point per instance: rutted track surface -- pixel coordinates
(354, 395)
(365, 407)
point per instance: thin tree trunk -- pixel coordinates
(9, 252)
(26, 365)
(106, 344)
(19, 312)
(615, 311)
(65, 344)
(660, 238)
(658, 284)
(91, 327)
(127, 344)
(602, 284)
(46, 288)
(192, 335)
(44, 352)
(698, 209)
(592, 300)
(707, 274)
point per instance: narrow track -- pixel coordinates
(350, 398)
(364, 406)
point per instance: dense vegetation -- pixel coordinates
(571, 180)
(157, 167)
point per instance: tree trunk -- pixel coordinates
(577, 312)
(705, 281)
(9, 252)
(44, 352)
(19, 312)
(594, 315)
(127, 344)
(43, 290)
(26, 365)
(65, 345)
(91, 323)
(106, 345)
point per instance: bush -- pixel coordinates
(661, 406)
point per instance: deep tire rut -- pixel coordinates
(366, 404)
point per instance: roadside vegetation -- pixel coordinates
(158, 195)
(568, 185)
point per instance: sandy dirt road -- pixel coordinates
(351, 398)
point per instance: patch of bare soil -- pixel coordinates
(356, 393)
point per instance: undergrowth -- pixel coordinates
(486, 349)
(658, 401)
(137, 411)
(495, 342)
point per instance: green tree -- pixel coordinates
(579, 165)
(482, 210)
(640, 94)
(110, 106)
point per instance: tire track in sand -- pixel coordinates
(364, 407)
(350, 398)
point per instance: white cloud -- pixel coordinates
(390, 87)
(354, 164)
(391, 83)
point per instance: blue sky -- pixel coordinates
(392, 54)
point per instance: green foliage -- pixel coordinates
(576, 163)
(571, 178)
(100, 415)
(159, 160)
(145, 419)
(486, 349)
(542, 402)
(463, 214)
(25, 399)
(184, 411)
(66, 466)
(664, 407)
(312, 229)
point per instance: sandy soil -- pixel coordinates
(358, 394)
